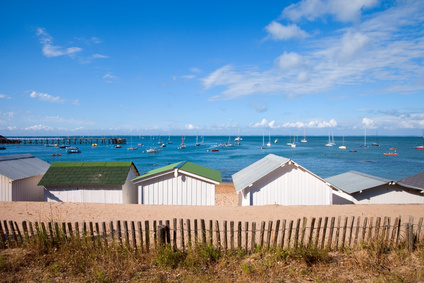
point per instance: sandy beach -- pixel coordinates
(225, 209)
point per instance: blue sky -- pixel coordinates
(211, 67)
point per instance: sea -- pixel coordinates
(313, 155)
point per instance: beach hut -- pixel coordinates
(367, 189)
(98, 182)
(182, 183)
(19, 176)
(278, 180)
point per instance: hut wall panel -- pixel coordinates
(27, 189)
(180, 190)
(288, 185)
(77, 194)
(5, 188)
(389, 195)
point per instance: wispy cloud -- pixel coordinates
(109, 77)
(58, 119)
(50, 50)
(384, 48)
(4, 96)
(279, 32)
(46, 97)
(297, 124)
(97, 56)
(39, 128)
(191, 127)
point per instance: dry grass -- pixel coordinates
(85, 263)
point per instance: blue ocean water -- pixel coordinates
(313, 155)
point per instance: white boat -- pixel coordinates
(330, 143)
(182, 143)
(238, 138)
(152, 150)
(365, 140)
(343, 146)
(169, 139)
(197, 141)
(73, 150)
(229, 144)
(276, 141)
(132, 148)
(263, 142)
(159, 142)
(304, 136)
(269, 142)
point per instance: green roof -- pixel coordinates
(188, 167)
(86, 173)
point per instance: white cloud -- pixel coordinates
(39, 128)
(342, 10)
(4, 96)
(50, 50)
(76, 102)
(191, 127)
(279, 32)
(109, 77)
(11, 128)
(195, 70)
(97, 56)
(188, 77)
(263, 124)
(46, 97)
(289, 61)
(385, 50)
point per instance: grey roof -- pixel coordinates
(353, 182)
(243, 178)
(21, 166)
(415, 181)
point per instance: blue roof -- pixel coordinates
(21, 166)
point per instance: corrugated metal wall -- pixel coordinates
(5, 188)
(389, 195)
(91, 194)
(27, 189)
(130, 190)
(181, 190)
(21, 190)
(288, 185)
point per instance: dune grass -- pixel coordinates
(84, 262)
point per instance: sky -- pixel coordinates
(211, 67)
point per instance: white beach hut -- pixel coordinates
(97, 182)
(366, 189)
(19, 176)
(278, 180)
(182, 183)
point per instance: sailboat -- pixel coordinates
(132, 148)
(343, 146)
(330, 143)
(159, 142)
(420, 146)
(375, 143)
(197, 141)
(169, 139)
(294, 142)
(182, 143)
(263, 142)
(365, 140)
(304, 136)
(269, 142)
(237, 139)
(229, 144)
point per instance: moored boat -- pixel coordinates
(73, 150)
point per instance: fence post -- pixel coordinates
(188, 232)
(339, 220)
(133, 238)
(253, 239)
(358, 224)
(344, 232)
(146, 225)
(210, 232)
(239, 236)
(302, 238)
(268, 238)
(2, 238)
(196, 236)
(277, 227)
(246, 236)
(232, 235)
(262, 234)
(203, 227)
(25, 228)
(140, 235)
(77, 233)
(174, 233)
(318, 232)
(218, 235)
(296, 239)
(104, 234)
(283, 233)
(364, 230)
(330, 237)
(411, 233)
(182, 233)
(352, 222)
(324, 232)
(370, 227)
(311, 231)
(420, 223)
(161, 235)
(290, 233)
(225, 236)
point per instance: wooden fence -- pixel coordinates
(333, 233)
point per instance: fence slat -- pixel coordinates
(182, 233)
(296, 238)
(232, 235)
(140, 235)
(420, 223)
(302, 238)
(318, 232)
(225, 236)
(203, 227)
(174, 233)
(283, 233)
(2, 238)
(364, 229)
(104, 232)
(218, 235)
(370, 227)
(344, 232)
(133, 238)
(358, 224)
(253, 239)
(246, 236)
(262, 234)
(324, 232)
(377, 228)
(330, 236)
(277, 227)
(210, 232)
(196, 235)
(268, 238)
(290, 234)
(339, 219)
(188, 232)
(311, 231)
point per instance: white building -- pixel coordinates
(182, 183)
(19, 176)
(97, 182)
(278, 180)
(366, 189)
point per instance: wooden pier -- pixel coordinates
(67, 140)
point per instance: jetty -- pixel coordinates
(65, 140)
